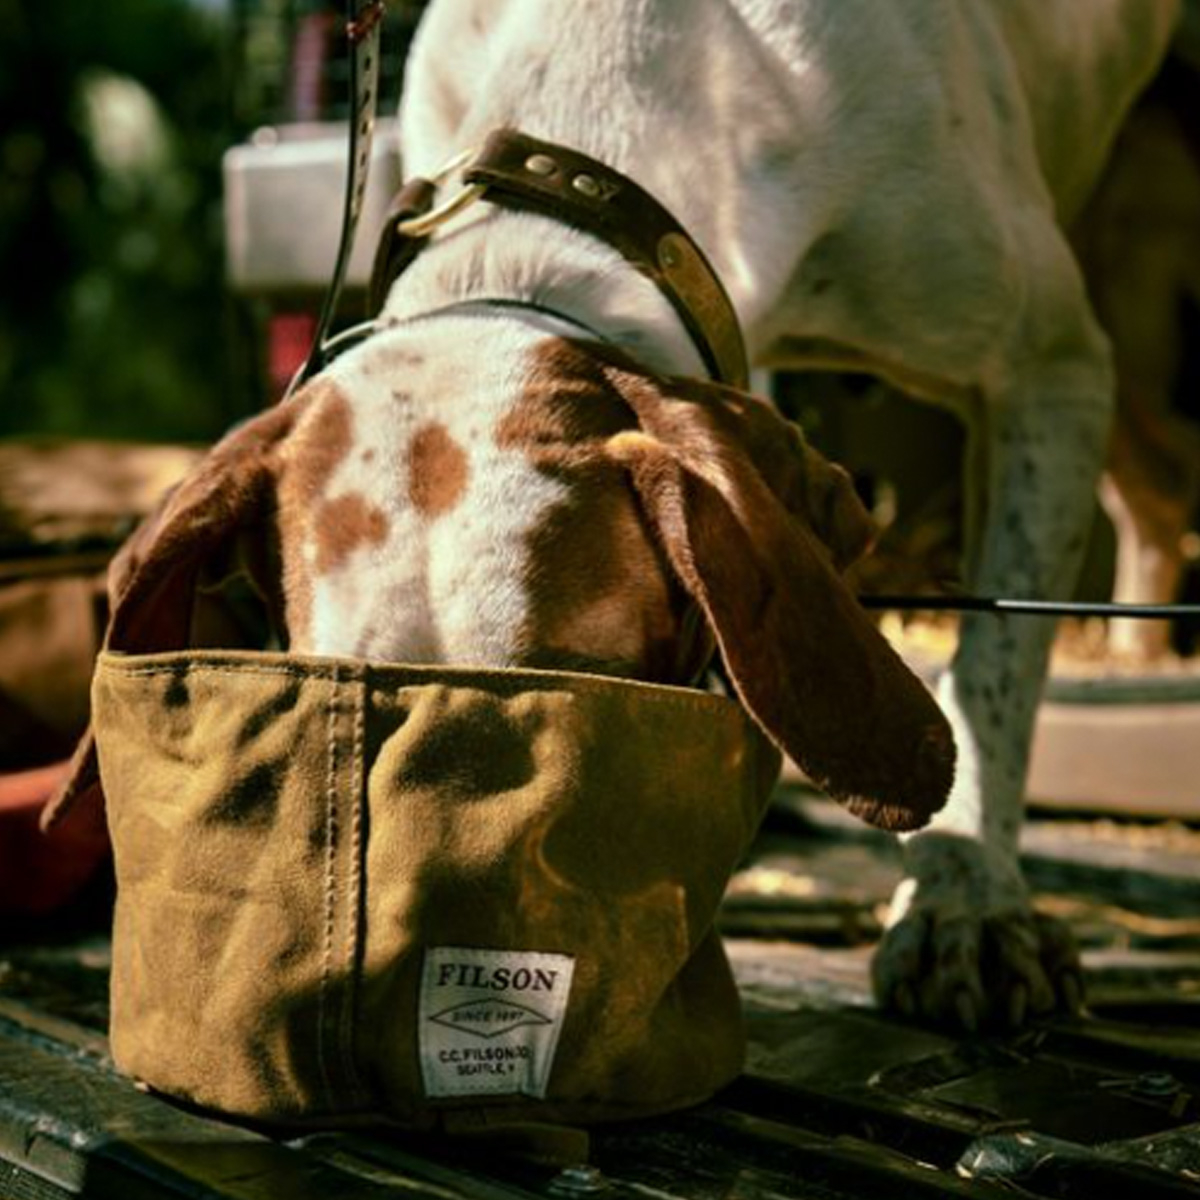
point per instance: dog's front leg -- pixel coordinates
(963, 942)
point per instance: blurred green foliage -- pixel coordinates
(113, 316)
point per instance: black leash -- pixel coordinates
(363, 19)
(1034, 608)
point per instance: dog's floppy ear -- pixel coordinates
(155, 577)
(755, 524)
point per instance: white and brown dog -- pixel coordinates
(881, 188)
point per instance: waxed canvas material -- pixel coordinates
(293, 836)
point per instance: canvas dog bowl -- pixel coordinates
(349, 890)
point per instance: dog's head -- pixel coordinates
(557, 507)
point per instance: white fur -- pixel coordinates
(435, 590)
(880, 186)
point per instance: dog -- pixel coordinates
(528, 464)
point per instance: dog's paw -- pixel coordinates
(964, 947)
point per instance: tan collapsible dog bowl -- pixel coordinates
(348, 890)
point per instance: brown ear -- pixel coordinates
(810, 668)
(153, 578)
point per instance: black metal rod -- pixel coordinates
(1037, 608)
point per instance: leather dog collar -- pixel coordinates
(520, 172)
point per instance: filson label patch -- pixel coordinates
(490, 1020)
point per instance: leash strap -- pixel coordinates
(522, 173)
(363, 21)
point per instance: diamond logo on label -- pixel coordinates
(488, 1018)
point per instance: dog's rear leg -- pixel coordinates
(963, 943)
(1149, 493)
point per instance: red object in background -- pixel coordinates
(41, 872)
(289, 339)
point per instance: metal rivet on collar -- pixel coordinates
(586, 185)
(540, 164)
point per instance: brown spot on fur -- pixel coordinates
(342, 526)
(318, 446)
(437, 470)
(601, 596)
(568, 401)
